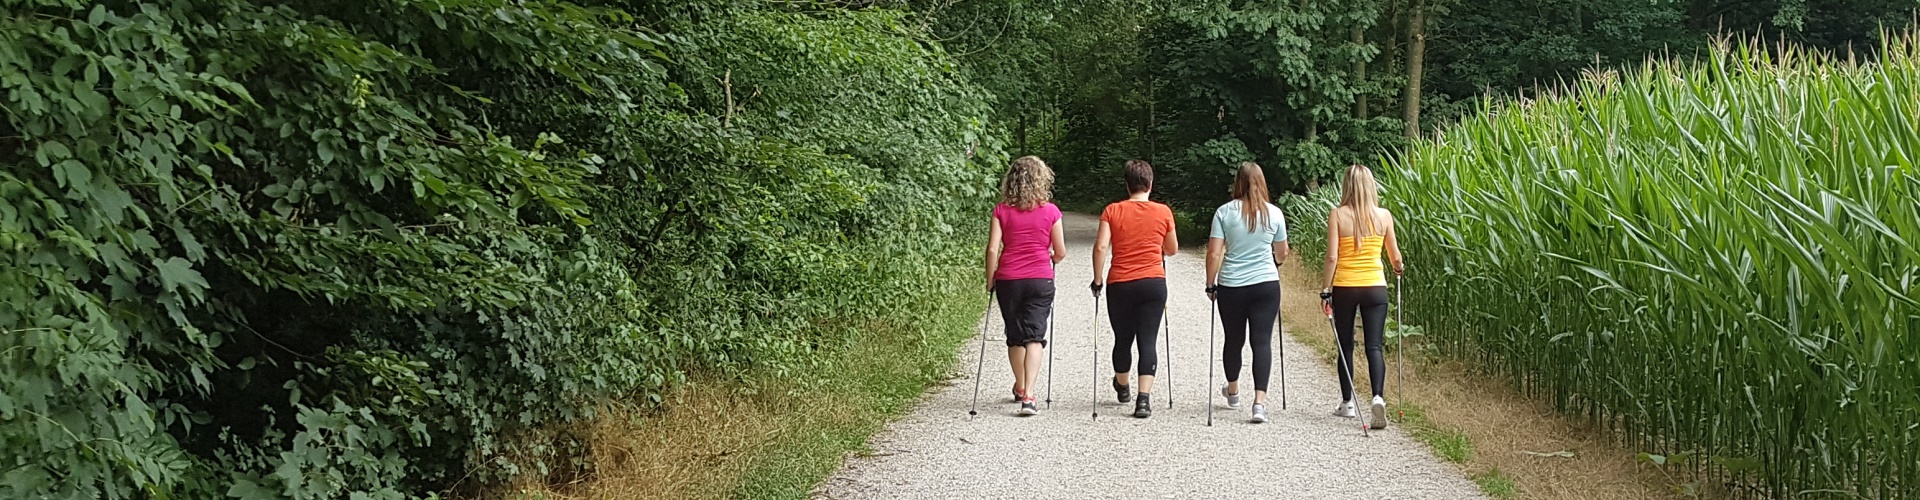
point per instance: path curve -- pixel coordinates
(1305, 452)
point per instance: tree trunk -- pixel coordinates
(1153, 120)
(1360, 75)
(1416, 60)
(1023, 132)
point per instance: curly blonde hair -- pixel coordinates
(1028, 184)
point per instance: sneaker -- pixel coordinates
(1122, 392)
(1233, 400)
(1141, 407)
(1259, 413)
(1346, 410)
(1016, 395)
(1379, 414)
(1028, 409)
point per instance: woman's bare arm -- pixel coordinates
(1101, 243)
(1216, 254)
(1172, 244)
(1059, 242)
(994, 248)
(1393, 243)
(1333, 245)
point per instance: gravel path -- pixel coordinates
(1305, 452)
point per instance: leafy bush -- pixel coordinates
(319, 249)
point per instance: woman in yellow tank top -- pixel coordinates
(1358, 231)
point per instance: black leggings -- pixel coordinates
(1252, 307)
(1371, 301)
(1134, 308)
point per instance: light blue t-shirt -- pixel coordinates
(1249, 258)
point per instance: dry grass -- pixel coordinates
(774, 439)
(1501, 425)
(700, 447)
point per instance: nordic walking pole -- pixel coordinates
(1049, 348)
(1093, 354)
(1166, 335)
(1281, 338)
(1400, 350)
(981, 365)
(1212, 308)
(1346, 357)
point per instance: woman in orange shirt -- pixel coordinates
(1357, 232)
(1138, 235)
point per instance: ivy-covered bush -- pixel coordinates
(382, 249)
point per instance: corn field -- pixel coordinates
(1714, 258)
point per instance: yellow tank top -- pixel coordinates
(1359, 263)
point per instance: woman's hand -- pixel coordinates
(1212, 291)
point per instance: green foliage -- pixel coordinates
(1497, 484)
(1305, 88)
(1450, 445)
(1307, 222)
(1214, 84)
(1712, 257)
(322, 249)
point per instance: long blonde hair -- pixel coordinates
(1360, 194)
(1250, 187)
(1028, 184)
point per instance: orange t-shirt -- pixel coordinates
(1139, 231)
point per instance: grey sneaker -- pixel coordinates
(1027, 408)
(1142, 406)
(1233, 400)
(1259, 413)
(1346, 410)
(1379, 415)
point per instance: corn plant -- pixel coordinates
(1712, 257)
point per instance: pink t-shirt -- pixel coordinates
(1028, 237)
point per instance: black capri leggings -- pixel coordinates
(1134, 308)
(1371, 302)
(1024, 307)
(1249, 309)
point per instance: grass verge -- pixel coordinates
(1497, 484)
(1449, 444)
(772, 437)
(1511, 445)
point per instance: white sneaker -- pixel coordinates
(1379, 414)
(1346, 410)
(1233, 400)
(1259, 413)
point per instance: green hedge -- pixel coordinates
(320, 249)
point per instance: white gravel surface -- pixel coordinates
(1305, 452)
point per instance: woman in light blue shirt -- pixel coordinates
(1248, 243)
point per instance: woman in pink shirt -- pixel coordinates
(1024, 243)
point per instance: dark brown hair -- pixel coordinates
(1250, 187)
(1139, 176)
